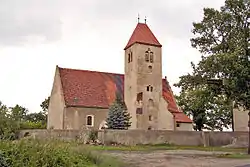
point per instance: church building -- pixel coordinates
(80, 99)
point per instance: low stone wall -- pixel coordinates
(134, 137)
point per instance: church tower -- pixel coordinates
(143, 78)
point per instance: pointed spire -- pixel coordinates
(143, 35)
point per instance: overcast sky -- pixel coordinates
(37, 35)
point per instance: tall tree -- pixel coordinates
(18, 113)
(118, 117)
(223, 39)
(45, 104)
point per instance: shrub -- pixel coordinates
(38, 153)
(3, 162)
(32, 125)
(93, 135)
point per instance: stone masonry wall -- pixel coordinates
(134, 137)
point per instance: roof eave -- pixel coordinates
(82, 106)
(144, 43)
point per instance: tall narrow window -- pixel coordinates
(147, 56)
(90, 121)
(150, 117)
(151, 88)
(139, 96)
(130, 57)
(151, 57)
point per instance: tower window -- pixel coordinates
(139, 97)
(151, 57)
(147, 56)
(150, 88)
(130, 57)
(149, 128)
(178, 125)
(139, 111)
(150, 117)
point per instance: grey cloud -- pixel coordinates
(22, 19)
(172, 17)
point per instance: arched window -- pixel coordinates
(150, 103)
(150, 88)
(147, 56)
(130, 57)
(151, 57)
(90, 120)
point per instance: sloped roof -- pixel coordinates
(143, 35)
(82, 88)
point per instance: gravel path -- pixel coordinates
(178, 158)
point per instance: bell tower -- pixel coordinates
(143, 78)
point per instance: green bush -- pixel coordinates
(93, 135)
(37, 153)
(32, 125)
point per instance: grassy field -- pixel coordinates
(35, 153)
(54, 153)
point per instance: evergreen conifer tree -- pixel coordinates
(118, 117)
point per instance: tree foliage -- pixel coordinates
(15, 118)
(118, 117)
(45, 104)
(223, 39)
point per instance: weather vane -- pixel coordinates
(145, 19)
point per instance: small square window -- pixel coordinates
(178, 125)
(139, 111)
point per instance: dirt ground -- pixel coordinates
(178, 158)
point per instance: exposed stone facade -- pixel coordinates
(143, 85)
(143, 92)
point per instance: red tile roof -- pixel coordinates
(82, 88)
(143, 35)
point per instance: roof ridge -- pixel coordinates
(77, 69)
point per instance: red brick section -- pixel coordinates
(82, 88)
(143, 35)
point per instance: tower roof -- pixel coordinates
(143, 35)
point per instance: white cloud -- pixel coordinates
(36, 35)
